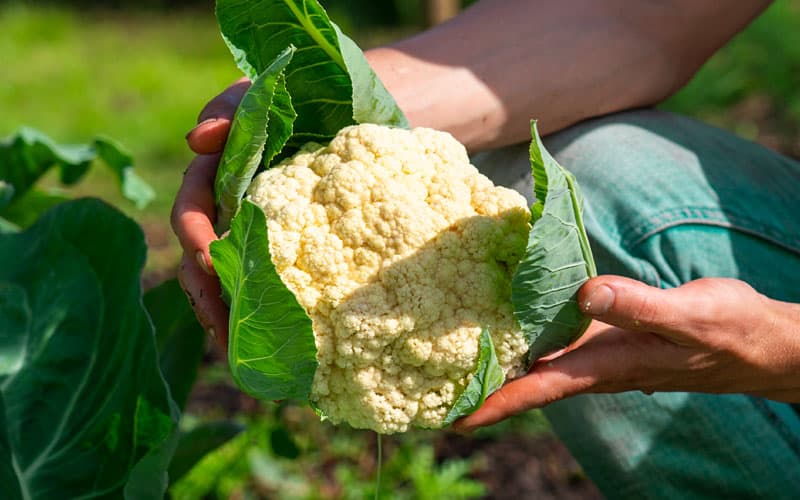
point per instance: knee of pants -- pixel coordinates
(645, 172)
(637, 181)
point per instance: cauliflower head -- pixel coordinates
(400, 252)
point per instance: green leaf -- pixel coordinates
(280, 123)
(180, 339)
(217, 473)
(7, 227)
(372, 103)
(488, 378)
(326, 82)
(6, 193)
(86, 412)
(26, 209)
(120, 162)
(197, 443)
(27, 155)
(282, 443)
(262, 125)
(557, 261)
(451, 480)
(271, 349)
(327, 85)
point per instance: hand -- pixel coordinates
(712, 335)
(194, 211)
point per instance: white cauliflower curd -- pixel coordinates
(400, 252)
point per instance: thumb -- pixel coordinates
(633, 305)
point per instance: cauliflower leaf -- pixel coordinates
(260, 129)
(257, 31)
(323, 87)
(271, 349)
(29, 154)
(558, 259)
(487, 379)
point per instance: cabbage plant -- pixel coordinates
(92, 373)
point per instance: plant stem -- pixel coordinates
(380, 465)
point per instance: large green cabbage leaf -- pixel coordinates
(28, 154)
(84, 410)
(180, 339)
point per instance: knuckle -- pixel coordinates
(717, 300)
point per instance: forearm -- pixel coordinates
(483, 75)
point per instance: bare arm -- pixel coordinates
(483, 75)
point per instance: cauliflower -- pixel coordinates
(401, 253)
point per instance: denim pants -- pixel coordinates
(669, 200)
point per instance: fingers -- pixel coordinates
(685, 315)
(214, 122)
(224, 105)
(687, 339)
(209, 136)
(628, 303)
(203, 292)
(610, 360)
(634, 305)
(194, 210)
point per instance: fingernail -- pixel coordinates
(212, 332)
(201, 260)
(599, 302)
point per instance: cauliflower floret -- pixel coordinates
(400, 252)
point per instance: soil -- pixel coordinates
(518, 467)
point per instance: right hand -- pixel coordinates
(194, 211)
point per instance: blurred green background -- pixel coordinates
(141, 71)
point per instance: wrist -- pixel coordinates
(779, 336)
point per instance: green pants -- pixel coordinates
(669, 200)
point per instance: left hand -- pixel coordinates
(712, 335)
